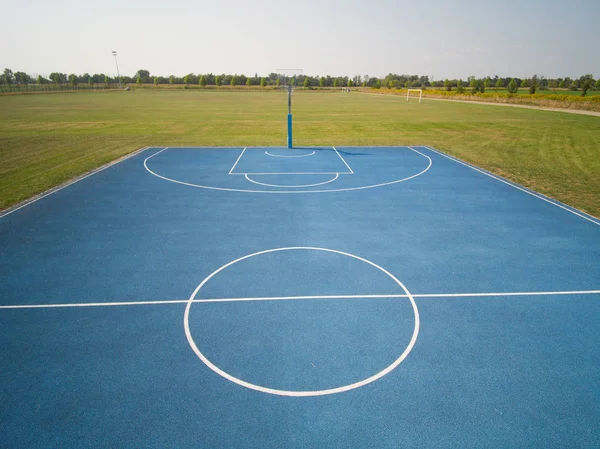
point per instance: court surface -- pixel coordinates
(316, 297)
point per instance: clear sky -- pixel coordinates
(439, 38)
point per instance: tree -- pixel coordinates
(586, 82)
(306, 83)
(186, 79)
(172, 80)
(322, 81)
(7, 78)
(144, 74)
(41, 80)
(562, 84)
(234, 80)
(22, 78)
(377, 84)
(218, 81)
(512, 87)
(533, 88)
(106, 79)
(350, 83)
(263, 82)
(335, 82)
(73, 79)
(447, 85)
(138, 80)
(85, 78)
(248, 81)
(202, 81)
(598, 84)
(487, 83)
(499, 83)
(525, 83)
(155, 81)
(459, 86)
(477, 85)
(278, 82)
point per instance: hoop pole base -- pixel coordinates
(289, 133)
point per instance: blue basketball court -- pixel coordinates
(310, 297)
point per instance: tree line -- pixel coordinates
(391, 81)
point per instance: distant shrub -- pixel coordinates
(572, 86)
(512, 87)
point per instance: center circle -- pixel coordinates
(298, 393)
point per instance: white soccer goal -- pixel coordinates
(414, 90)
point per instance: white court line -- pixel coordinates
(301, 155)
(497, 178)
(337, 175)
(94, 304)
(291, 192)
(70, 183)
(237, 160)
(345, 163)
(293, 173)
(289, 298)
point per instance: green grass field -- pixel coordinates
(46, 139)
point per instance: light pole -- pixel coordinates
(118, 74)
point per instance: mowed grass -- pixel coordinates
(47, 139)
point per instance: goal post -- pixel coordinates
(288, 81)
(415, 91)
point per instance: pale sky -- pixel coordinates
(443, 39)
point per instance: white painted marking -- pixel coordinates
(278, 155)
(288, 298)
(341, 389)
(414, 295)
(293, 173)
(345, 163)
(69, 183)
(298, 186)
(348, 189)
(516, 186)
(472, 295)
(237, 160)
(94, 304)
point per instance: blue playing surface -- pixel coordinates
(315, 297)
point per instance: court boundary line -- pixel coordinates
(289, 298)
(70, 182)
(540, 196)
